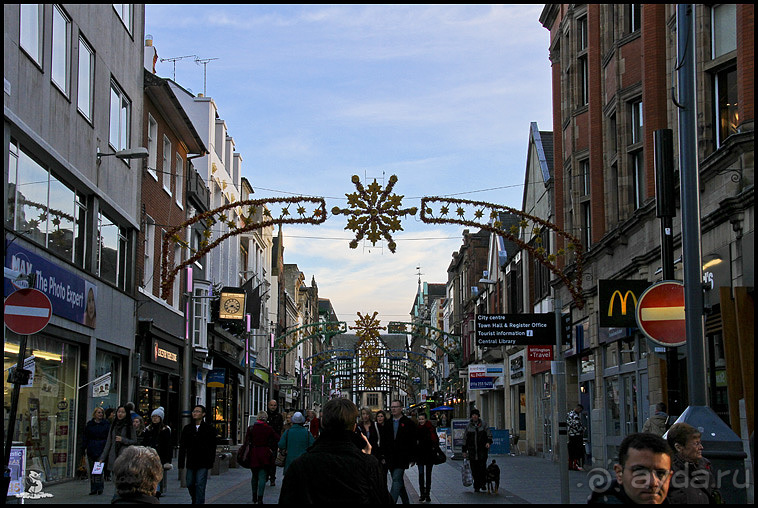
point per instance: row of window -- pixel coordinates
(31, 41)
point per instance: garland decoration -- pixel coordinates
(374, 213)
(258, 216)
(437, 210)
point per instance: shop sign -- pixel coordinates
(517, 368)
(69, 294)
(482, 377)
(216, 378)
(165, 355)
(494, 330)
(540, 353)
(101, 386)
(618, 302)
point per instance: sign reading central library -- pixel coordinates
(515, 329)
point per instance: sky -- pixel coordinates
(442, 96)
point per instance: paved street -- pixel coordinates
(523, 480)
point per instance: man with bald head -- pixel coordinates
(276, 421)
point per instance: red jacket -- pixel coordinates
(313, 426)
(262, 439)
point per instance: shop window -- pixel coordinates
(105, 363)
(613, 406)
(47, 405)
(611, 353)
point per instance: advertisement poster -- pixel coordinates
(17, 466)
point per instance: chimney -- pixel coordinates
(151, 54)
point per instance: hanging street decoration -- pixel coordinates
(234, 219)
(374, 213)
(369, 348)
(437, 210)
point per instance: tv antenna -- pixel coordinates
(204, 61)
(174, 59)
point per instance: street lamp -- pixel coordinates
(128, 153)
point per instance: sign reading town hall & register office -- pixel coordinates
(515, 329)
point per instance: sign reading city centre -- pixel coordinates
(515, 329)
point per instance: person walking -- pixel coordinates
(158, 437)
(658, 423)
(137, 473)
(93, 444)
(368, 428)
(400, 439)
(139, 430)
(197, 450)
(120, 436)
(575, 438)
(312, 422)
(261, 438)
(380, 421)
(692, 481)
(333, 471)
(476, 449)
(276, 421)
(295, 440)
(427, 443)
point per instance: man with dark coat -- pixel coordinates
(399, 446)
(334, 470)
(276, 422)
(197, 447)
(476, 449)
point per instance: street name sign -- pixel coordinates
(494, 330)
(660, 313)
(27, 311)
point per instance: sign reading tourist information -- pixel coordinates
(660, 313)
(27, 311)
(494, 330)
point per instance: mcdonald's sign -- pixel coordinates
(618, 302)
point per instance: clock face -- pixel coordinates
(232, 305)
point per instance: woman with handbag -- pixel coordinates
(260, 439)
(427, 443)
(294, 441)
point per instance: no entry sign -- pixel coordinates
(660, 313)
(27, 311)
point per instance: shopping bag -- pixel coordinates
(466, 476)
(243, 455)
(281, 457)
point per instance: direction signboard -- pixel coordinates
(660, 313)
(27, 311)
(494, 330)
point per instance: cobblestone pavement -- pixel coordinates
(523, 479)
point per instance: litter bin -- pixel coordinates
(724, 449)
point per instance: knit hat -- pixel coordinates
(159, 412)
(298, 417)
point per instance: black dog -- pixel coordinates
(493, 478)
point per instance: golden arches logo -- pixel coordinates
(623, 300)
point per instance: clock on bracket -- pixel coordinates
(232, 305)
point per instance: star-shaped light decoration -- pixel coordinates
(374, 213)
(368, 348)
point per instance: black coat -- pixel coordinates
(197, 446)
(95, 437)
(334, 471)
(401, 450)
(427, 443)
(160, 440)
(372, 436)
(477, 437)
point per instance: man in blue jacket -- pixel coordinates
(197, 445)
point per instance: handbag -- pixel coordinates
(281, 454)
(466, 476)
(439, 456)
(243, 455)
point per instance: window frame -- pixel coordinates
(83, 44)
(120, 11)
(25, 43)
(166, 165)
(723, 108)
(148, 256)
(715, 28)
(124, 120)
(179, 180)
(64, 87)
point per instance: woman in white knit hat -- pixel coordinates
(158, 436)
(295, 440)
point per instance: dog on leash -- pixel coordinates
(493, 478)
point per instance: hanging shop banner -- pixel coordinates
(216, 378)
(71, 296)
(618, 302)
(494, 330)
(101, 387)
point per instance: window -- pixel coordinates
(725, 102)
(176, 290)
(200, 314)
(166, 168)
(372, 399)
(61, 50)
(152, 146)
(30, 31)
(149, 256)
(637, 175)
(43, 208)
(586, 225)
(613, 206)
(584, 170)
(120, 118)
(636, 122)
(541, 272)
(111, 251)
(633, 17)
(124, 12)
(583, 66)
(581, 33)
(197, 239)
(179, 179)
(723, 29)
(85, 81)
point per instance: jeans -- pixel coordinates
(424, 480)
(196, 480)
(258, 481)
(398, 486)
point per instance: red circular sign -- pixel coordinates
(27, 311)
(660, 313)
